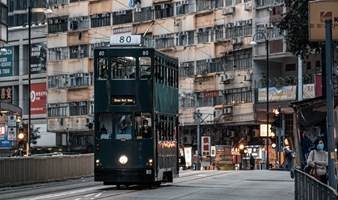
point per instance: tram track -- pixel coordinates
(140, 189)
(106, 192)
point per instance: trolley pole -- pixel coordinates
(329, 102)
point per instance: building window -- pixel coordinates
(237, 96)
(143, 14)
(78, 108)
(164, 41)
(204, 5)
(242, 59)
(122, 17)
(219, 32)
(100, 20)
(58, 110)
(80, 51)
(55, 54)
(163, 11)
(57, 24)
(182, 7)
(78, 23)
(203, 35)
(186, 69)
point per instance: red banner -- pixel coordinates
(38, 98)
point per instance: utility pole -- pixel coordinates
(29, 74)
(198, 116)
(329, 102)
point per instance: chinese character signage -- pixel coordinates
(6, 139)
(6, 62)
(6, 94)
(205, 145)
(38, 98)
(38, 59)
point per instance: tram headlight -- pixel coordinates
(123, 159)
(97, 161)
(150, 162)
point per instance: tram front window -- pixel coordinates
(123, 126)
(143, 126)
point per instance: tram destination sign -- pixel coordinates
(125, 39)
(123, 100)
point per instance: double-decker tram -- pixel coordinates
(136, 116)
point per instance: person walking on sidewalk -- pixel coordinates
(318, 161)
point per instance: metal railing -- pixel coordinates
(309, 188)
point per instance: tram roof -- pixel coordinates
(136, 48)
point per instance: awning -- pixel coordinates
(10, 108)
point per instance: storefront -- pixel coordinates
(10, 119)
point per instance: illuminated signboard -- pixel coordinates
(123, 100)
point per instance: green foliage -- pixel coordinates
(34, 135)
(295, 25)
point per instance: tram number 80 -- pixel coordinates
(125, 39)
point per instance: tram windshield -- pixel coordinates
(124, 126)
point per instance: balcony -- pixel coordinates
(261, 4)
(210, 82)
(285, 93)
(72, 124)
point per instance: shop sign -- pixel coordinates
(6, 62)
(38, 58)
(309, 91)
(6, 94)
(38, 98)
(263, 130)
(205, 145)
(286, 93)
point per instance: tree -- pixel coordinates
(34, 135)
(295, 24)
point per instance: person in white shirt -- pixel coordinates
(318, 160)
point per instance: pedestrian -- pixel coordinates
(288, 156)
(252, 162)
(318, 161)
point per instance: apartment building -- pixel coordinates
(14, 64)
(211, 38)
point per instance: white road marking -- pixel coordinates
(88, 195)
(49, 196)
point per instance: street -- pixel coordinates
(194, 185)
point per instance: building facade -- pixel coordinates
(3, 21)
(14, 72)
(210, 38)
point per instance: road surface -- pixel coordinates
(192, 185)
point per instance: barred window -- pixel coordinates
(100, 20)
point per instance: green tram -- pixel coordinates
(136, 116)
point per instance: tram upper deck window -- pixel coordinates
(123, 68)
(103, 69)
(145, 67)
(143, 126)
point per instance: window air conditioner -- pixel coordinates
(229, 10)
(248, 6)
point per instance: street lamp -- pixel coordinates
(253, 43)
(30, 11)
